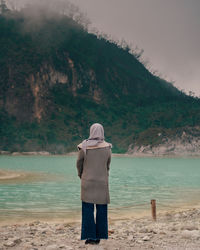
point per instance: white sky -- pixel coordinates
(167, 30)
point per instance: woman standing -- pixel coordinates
(93, 168)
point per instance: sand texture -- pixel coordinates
(177, 231)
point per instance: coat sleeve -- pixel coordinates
(108, 162)
(79, 162)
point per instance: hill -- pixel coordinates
(57, 79)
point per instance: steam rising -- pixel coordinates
(41, 9)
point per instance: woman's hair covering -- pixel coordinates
(96, 132)
(96, 136)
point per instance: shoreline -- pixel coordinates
(9, 217)
(134, 155)
(172, 230)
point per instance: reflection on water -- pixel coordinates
(49, 188)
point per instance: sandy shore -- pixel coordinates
(133, 155)
(177, 231)
(13, 176)
(6, 175)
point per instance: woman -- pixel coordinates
(93, 167)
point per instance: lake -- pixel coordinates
(50, 188)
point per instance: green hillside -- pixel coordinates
(57, 79)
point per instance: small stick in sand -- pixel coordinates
(153, 209)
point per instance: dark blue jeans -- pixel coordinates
(90, 229)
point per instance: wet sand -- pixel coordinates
(8, 176)
(9, 217)
(15, 177)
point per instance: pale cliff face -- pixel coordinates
(38, 85)
(186, 144)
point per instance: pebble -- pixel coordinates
(13, 242)
(146, 238)
(9, 243)
(52, 247)
(139, 241)
(180, 232)
(130, 237)
(111, 232)
(189, 227)
(190, 234)
(174, 229)
(143, 230)
(62, 246)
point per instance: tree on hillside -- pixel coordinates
(3, 7)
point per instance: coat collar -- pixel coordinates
(101, 145)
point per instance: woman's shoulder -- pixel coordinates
(79, 146)
(100, 145)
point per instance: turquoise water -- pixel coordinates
(55, 188)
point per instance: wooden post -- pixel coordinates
(153, 209)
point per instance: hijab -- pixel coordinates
(96, 137)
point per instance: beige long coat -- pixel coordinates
(93, 169)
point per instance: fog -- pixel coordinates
(37, 10)
(168, 31)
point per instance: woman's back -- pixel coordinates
(96, 164)
(93, 163)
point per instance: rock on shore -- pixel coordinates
(177, 231)
(24, 153)
(184, 145)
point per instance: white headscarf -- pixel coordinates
(96, 136)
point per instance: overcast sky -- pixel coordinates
(167, 30)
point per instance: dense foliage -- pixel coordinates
(105, 83)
